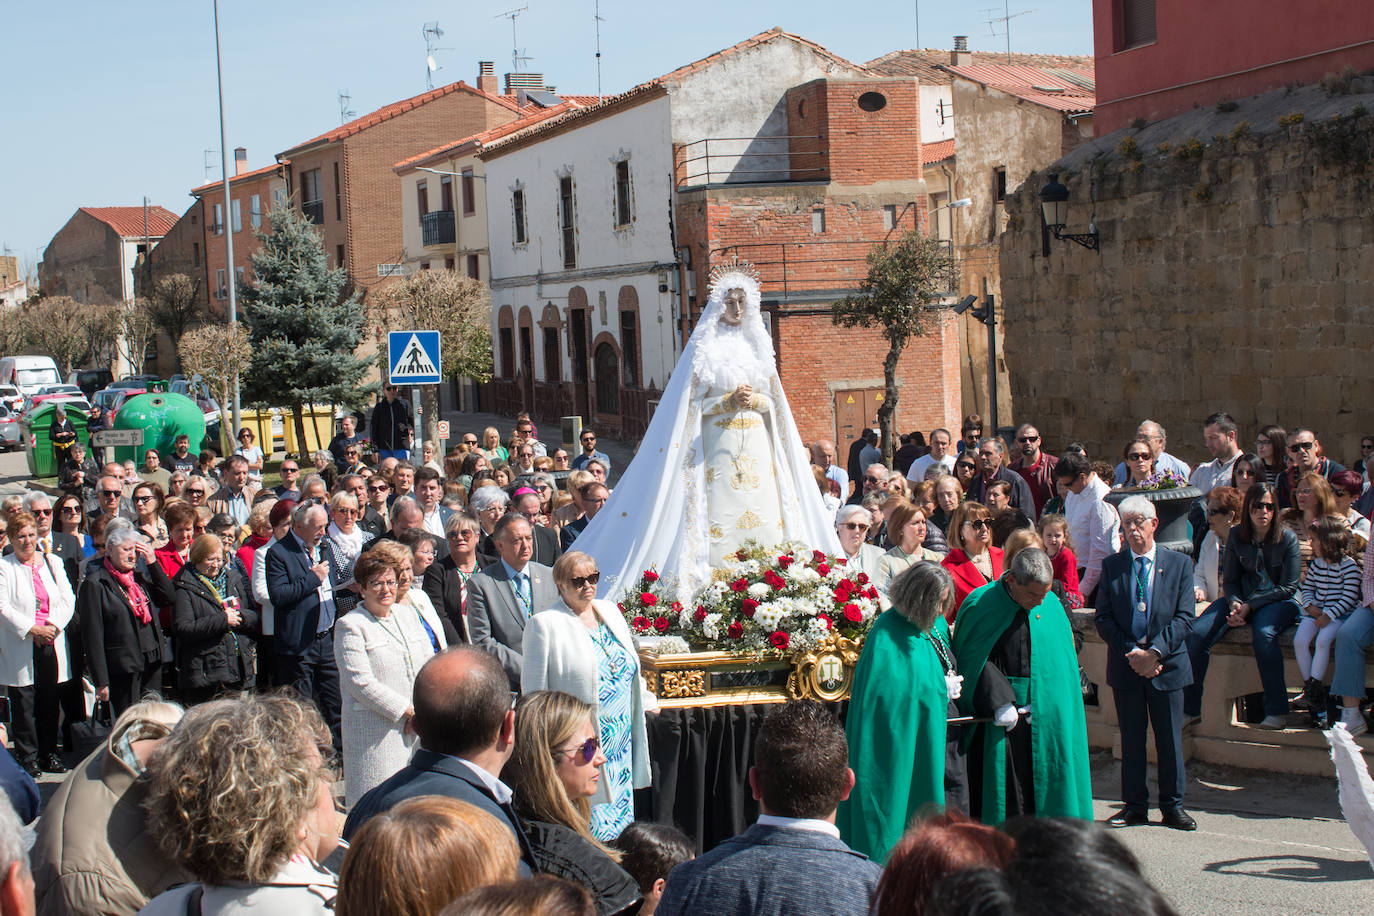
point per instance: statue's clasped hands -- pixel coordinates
(743, 395)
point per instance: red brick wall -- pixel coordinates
(245, 242)
(863, 147)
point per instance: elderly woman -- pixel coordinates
(181, 526)
(94, 854)
(147, 499)
(906, 526)
(948, 493)
(446, 581)
(342, 544)
(176, 483)
(852, 524)
(429, 453)
(1346, 487)
(972, 560)
(491, 447)
(117, 607)
(544, 484)
(1223, 512)
(572, 511)
(905, 759)
(582, 646)
(259, 533)
(378, 653)
(488, 504)
(413, 554)
(240, 798)
(213, 623)
(36, 603)
(324, 466)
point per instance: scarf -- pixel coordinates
(219, 585)
(137, 599)
(350, 545)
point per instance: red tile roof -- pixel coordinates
(128, 221)
(931, 66)
(938, 151)
(386, 112)
(1063, 89)
(256, 173)
(534, 116)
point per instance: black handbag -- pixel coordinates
(91, 734)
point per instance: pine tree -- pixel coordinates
(303, 328)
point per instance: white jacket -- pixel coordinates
(17, 616)
(268, 616)
(559, 655)
(300, 888)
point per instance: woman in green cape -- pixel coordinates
(905, 763)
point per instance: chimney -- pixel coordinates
(960, 56)
(240, 160)
(518, 81)
(486, 77)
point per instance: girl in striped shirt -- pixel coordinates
(1330, 591)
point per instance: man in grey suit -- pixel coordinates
(792, 862)
(502, 597)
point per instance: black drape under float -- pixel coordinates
(701, 759)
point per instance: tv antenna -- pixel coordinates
(432, 33)
(517, 53)
(599, 19)
(211, 161)
(1006, 18)
(346, 114)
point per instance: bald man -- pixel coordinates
(823, 457)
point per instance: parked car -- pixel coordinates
(29, 373)
(90, 380)
(12, 398)
(108, 402)
(9, 428)
(62, 389)
(66, 397)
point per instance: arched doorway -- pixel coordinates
(607, 363)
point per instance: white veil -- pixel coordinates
(656, 517)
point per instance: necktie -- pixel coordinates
(522, 591)
(1140, 620)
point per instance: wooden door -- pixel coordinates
(855, 408)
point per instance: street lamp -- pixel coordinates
(1054, 212)
(228, 216)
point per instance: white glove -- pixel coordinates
(1007, 717)
(1025, 712)
(954, 685)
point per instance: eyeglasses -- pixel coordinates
(586, 750)
(964, 466)
(1262, 507)
(590, 578)
(978, 524)
(1222, 510)
(71, 510)
(1027, 438)
(1301, 446)
(854, 526)
(146, 498)
(47, 511)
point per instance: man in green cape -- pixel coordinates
(903, 760)
(1015, 649)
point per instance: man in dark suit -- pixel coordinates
(502, 597)
(1145, 607)
(303, 606)
(466, 725)
(792, 862)
(547, 548)
(592, 496)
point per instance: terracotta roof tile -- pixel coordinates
(1060, 88)
(937, 151)
(128, 221)
(930, 65)
(535, 116)
(233, 179)
(386, 112)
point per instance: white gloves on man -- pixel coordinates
(1007, 717)
(954, 684)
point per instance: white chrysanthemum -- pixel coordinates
(685, 620)
(803, 574)
(711, 626)
(760, 590)
(817, 627)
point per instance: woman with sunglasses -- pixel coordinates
(69, 517)
(554, 772)
(966, 470)
(1346, 487)
(972, 560)
(1246, 470)
(147, 500)
(1140, 463)
(853, 524)
(1259, 587)
(1223, 512)
(583, 647)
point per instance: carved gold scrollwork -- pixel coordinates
(825, 672)
(673, 684)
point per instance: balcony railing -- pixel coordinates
(809, 271)
(314, 211)
(756, 160)
(437, 228)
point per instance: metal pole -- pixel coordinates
(992, 357)
(228, 218)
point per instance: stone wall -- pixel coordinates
(1236, 273)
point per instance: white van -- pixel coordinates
(29, 373)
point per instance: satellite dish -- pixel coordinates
(429, 62)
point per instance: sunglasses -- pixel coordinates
(41, 511)
(1138, 456)
(978, 524)
(143, 499)
(586, 750)
(588, 439)
(854, 526)
(964, 466)
(111, 492)
(290, 470)
(71, 510)
(872, 480)
(1027, 438)
(1300, 447)
(469, 441)
(196, 492)
(589, 579)
(1265, 507)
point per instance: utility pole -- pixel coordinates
(228, 218)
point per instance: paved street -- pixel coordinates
(14, 470)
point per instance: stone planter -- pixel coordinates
(1172, 507)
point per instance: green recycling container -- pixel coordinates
(162, 417)
(33, 430)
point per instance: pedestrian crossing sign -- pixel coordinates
(414, 357)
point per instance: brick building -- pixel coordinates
(181, 251)
(93, 256)
(252, 193)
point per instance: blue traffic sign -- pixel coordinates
(415, 358)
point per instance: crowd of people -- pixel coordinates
(430, 624)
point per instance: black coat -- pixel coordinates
(107, 619)
(208, 652)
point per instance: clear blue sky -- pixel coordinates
(107, 102)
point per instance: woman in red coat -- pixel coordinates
(972, 560)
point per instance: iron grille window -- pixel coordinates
(566, 219)
(622, 193)
(517, 203)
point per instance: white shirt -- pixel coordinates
(1093, 523)
(1215, 473)
(498, 789)
(917, 471)
(1207, 572)
(841, 477)
(434, 522)
(799, 823)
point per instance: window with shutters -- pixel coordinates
(567, 223)
(517, 204)
(1135, 23)
(553, 359)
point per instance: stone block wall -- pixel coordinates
(1236, 273)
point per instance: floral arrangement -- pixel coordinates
(769, 599)
(1162, 480)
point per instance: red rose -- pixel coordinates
(785, 561)
(779, 639)
(620, 607)
(823, 569)
(863, 578)
(741, 555)
(774, 580)
(841, 561)
(853, 614)
(641, 624)
(700, 615)
(650, 576)
(841, 595)
(818, 556)
(848, 584)
(677, 607)
(748, 607)
(739, 584)
(649, 598)
(828, 624)
(736, 630)
(662, 624)
(873, 594)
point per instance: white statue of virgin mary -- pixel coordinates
(721, 464)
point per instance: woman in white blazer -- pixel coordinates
(36, 605)
(379, 647)
(582, 646)
(852, 525)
